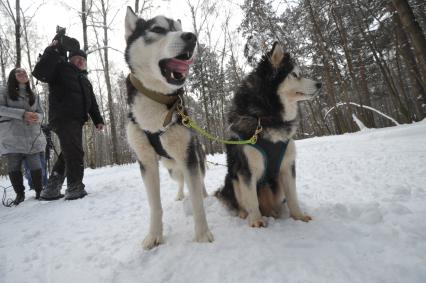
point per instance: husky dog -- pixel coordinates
(159, 55)
(262, 176)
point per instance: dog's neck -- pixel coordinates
(284, 128)
(155, 110)
(154, 95)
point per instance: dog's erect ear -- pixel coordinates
(277, 54)
(130, 22)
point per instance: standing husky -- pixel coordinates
(159, 55)
(261, 176)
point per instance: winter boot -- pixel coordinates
(53, 188)
(75, 191)
(37, 182)
(17, 181)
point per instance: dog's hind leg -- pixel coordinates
(148, 162)
(195, 183)
(176, 174)
(182, 147)
(205, 194)
(179, 177)
(287, 181)
(194, 177)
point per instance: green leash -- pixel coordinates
(189, 123)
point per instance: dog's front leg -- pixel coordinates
(287, 181)
(250, 202)
(151, 179)
(247, 185)
(148, 162)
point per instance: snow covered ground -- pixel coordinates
(365, 191)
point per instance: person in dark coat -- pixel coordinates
(21, 139)
(71, 101)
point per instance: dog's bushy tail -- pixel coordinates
(226, 194)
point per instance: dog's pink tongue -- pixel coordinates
(180, 66)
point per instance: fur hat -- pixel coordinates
(78, 52)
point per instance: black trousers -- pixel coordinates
(71, 159)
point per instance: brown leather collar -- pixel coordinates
(171, 100)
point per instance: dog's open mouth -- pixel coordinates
(176, 69)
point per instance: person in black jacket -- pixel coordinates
(71, 101)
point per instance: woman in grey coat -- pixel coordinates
(21, 137)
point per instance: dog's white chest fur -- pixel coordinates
(148, 113)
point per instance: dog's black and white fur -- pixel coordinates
(269, 93)
(157, 53)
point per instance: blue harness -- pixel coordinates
(273, 154)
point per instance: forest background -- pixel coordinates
(370, 56)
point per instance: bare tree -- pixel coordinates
(15, 16)
(103, 9)
(89, 129)
(3, 59)
(27, 21)
(146, 5)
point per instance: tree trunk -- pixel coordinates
(331, 101)
(27, 44)
(136, 6)
(18, 34)
(382, 65)
(414, 74)
(203, 85)
(364, 90)
(2, 62)
(109, 89)
(89, 129)
(344, 40)
(412, 27)
(84, 24)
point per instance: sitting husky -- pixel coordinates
(262, 176)
(159, 55)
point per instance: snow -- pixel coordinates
(365, 191)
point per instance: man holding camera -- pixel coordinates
(71, 101)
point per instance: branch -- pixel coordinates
(8, 10)
(104, 47)
(361, 106)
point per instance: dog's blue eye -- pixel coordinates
(158, 30)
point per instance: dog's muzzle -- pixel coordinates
(175, 70)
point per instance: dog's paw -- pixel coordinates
(204, 237)
(179, 197)
(151, 241)
(276, 213)
(257, 222)
(302, 217)
(242, 214)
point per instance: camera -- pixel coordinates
(65, 42)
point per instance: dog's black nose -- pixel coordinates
(318, 85)
(189, 37)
